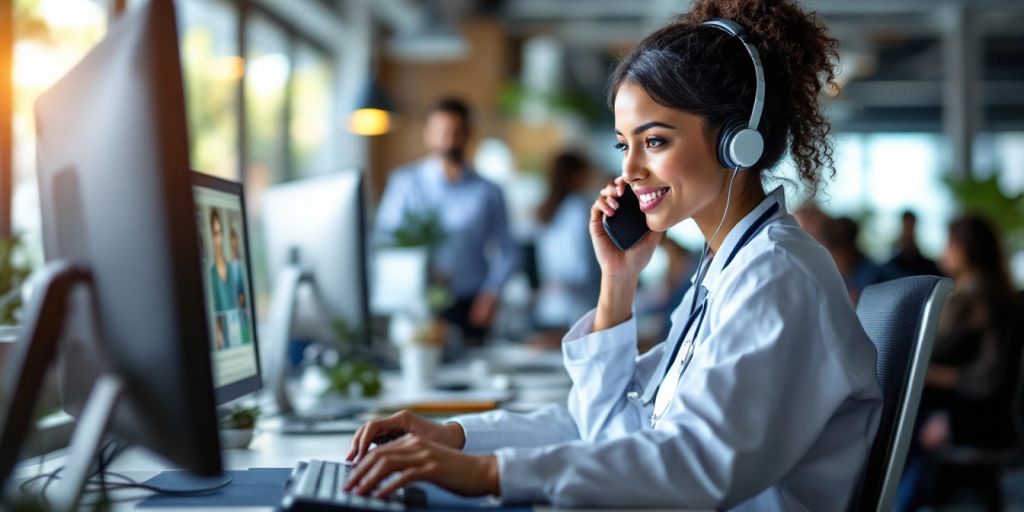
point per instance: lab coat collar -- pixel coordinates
(777, 196)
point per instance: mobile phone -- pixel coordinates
(629, 224)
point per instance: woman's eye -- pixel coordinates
(654, 142)
(620, 146)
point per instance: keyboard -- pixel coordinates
(316, 486)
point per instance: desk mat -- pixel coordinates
(263, 487)
(256, 487)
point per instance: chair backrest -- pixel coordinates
(900, 317)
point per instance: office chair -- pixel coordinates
(901, 317)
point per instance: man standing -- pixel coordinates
(477, 254)
(908, 259)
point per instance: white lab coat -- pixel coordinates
(776, 411)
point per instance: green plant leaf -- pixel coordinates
(986, 197)
(14, 272)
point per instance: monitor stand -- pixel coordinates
(37, 348)
(290, 281)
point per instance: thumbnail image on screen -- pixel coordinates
(226, 282)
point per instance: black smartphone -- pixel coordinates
(629, 224)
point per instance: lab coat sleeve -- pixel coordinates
(604, 367)
(489, 431)
(506, 256)
(739, 422)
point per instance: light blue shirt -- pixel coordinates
(776, 410)
(472, 215)
(570, 278)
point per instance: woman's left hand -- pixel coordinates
(417, 459)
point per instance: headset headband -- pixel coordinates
(736, 30)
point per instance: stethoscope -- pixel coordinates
(696, 316)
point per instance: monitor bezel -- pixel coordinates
(239, 388)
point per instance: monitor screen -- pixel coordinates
(229, 300)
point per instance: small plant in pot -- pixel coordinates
(237, 425)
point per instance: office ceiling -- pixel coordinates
(898, 57)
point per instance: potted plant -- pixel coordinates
(237, 425)
(14, 272)
(416, 327)
(354, 374)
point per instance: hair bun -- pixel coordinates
(798, 56)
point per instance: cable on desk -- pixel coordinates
(98, 484)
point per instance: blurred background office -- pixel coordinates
(927, 113)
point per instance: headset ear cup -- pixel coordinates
(746, 148)
(725, 139)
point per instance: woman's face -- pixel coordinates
(952, 261)
(218, 236)
(667, 159)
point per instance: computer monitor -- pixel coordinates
(123, 277)
(316, 249)
(227, 281)
(318, 224)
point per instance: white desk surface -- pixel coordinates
(270, 449)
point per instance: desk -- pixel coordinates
(268, 449)
(543, 380)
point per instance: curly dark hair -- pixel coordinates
(706, 72)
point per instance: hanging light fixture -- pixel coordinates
(373, 110)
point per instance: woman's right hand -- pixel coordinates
(620, 270)
(618, 265)
(382, 430)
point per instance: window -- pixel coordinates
(877, 177)
(50, 36)
(311, 125)
(266, 82)
(212, 68)
(266, 85)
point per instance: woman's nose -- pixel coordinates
(633, 167)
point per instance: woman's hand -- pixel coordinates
(383, 430)
(414, 459)
(620, 270)
(616, 264)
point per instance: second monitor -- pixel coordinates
(317, 255)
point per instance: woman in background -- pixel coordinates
(974, 370)
(569, 276)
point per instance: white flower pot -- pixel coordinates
(237, 438)
(419, 365)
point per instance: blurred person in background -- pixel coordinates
(813, 220)
(569, 276)
(908, 260)
(477, 255)
(858, 271)
(974, 368)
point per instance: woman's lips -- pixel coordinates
(650, 198)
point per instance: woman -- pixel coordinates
(774, 403)
(974, 370)
(220, 272)
(569, 274)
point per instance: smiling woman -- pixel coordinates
(766, 376)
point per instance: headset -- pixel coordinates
(740, 145)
